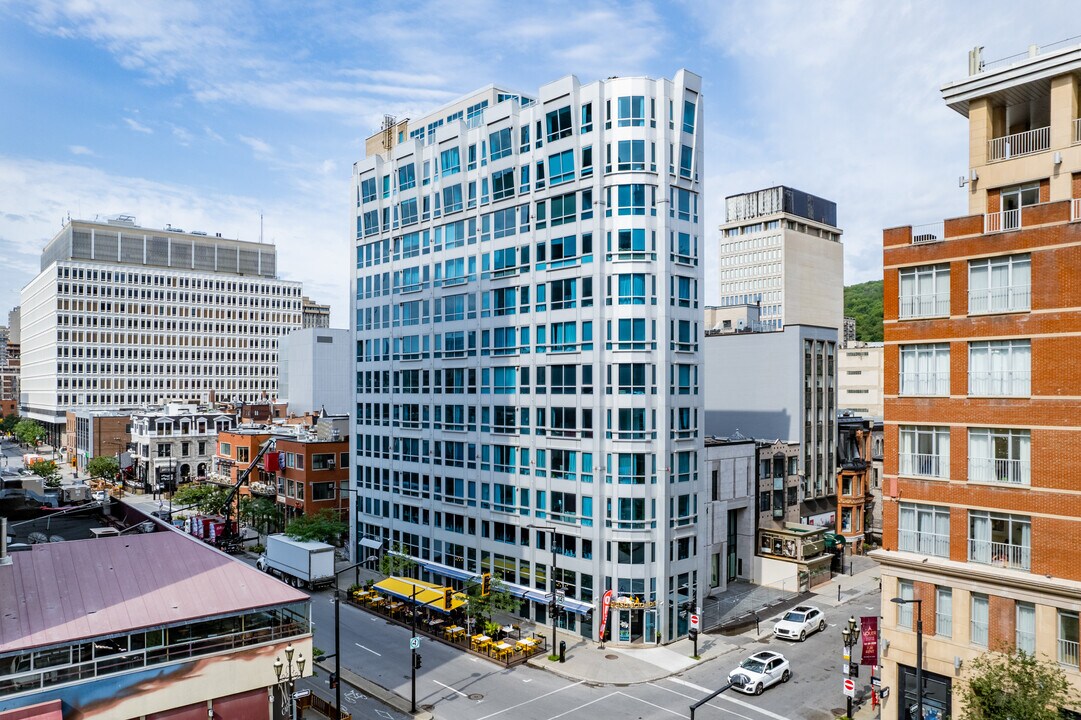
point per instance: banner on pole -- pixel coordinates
(869, 635)
(606, 602)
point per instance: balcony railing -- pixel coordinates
(924, 543)
(1002, 221)
(986, 552)
(1000, 383)
(1022, 143)
(931, 232)
(928, 383)
(921, 465)
(1012, 298)
(1069, 652)
(924, 306)
(1012, 472)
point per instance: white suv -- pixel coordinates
(759, 671)
(799, 622)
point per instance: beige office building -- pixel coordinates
(859, 378)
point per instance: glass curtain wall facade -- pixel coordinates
(527, 317)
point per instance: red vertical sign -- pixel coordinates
(869, 636)
(606, 601)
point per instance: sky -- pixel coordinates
(234, 116)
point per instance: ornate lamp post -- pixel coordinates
(848, 637)
(286, 677)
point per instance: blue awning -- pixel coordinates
(446, 570)
(570, 604)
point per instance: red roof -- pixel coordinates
(67, 591)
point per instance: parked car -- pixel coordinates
(799, 622)
(98, 495)
(759, 671)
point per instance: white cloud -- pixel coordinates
(137, 126)
(258, 146)
(80, 150)
(310, 234)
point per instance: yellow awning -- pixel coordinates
(427, 594)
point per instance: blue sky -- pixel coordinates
(204, 115)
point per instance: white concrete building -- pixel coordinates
(528, 318)
(860, 367)
(781, 248)
(176, 443)
(728, 530)
(122, 316)
(317, 371)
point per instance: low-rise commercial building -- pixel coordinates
(175, 443)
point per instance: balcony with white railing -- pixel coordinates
(1000, 383)
(1018, 144)
(1012, 298)
(928, 233)
(1069, 652)
(922, 465)
(924, 543)
(925, 383)
(924, 306)
(1002, 221)
(1007, 555)
(998, 470)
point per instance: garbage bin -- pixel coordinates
(562, 651)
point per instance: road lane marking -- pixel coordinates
(691, 685)
(568, 712)
(722, 696)
(647, 702)
(448, 687)
(691, 697)
(513, 707)
(373, 652)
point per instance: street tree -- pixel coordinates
(204, 498)
(47, 471)
(397, 562)
(323, 526)
(104, 466)
(29, 432)
(498, 599)
(1014, 685)
(260, 513)
(7, 425)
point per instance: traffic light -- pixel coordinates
(486, 584)
(448, 594)
(416, 661)
(333, 681)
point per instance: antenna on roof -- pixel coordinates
(260, 227)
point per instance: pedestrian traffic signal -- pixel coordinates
(692, 634)
(485, 584)
(333, 681)
(448, 594)
(416, 661)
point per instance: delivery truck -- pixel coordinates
(301, 564)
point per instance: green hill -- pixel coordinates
(864, 302)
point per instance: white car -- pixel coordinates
(98, 495)
(759, 671)
(799, 622)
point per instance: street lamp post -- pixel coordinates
(553, 607)
(848, 637)
(286, 669)
(337, 642)
(919, 649)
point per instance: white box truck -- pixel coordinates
(301, 564)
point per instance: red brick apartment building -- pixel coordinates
(310, 474)
(982, 496)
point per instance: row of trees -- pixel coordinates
(262, 514)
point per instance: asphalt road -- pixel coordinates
(460, 687)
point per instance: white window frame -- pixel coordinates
(1000, 368)
(1000, 284)
(1025, 627)
(985, 550)
(905, 591)
(923, 291)
(943, 611)
(979, 619)
(923, 529)
(925, 369)
(913, 461)
(1000, 455)
(1068, 649)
